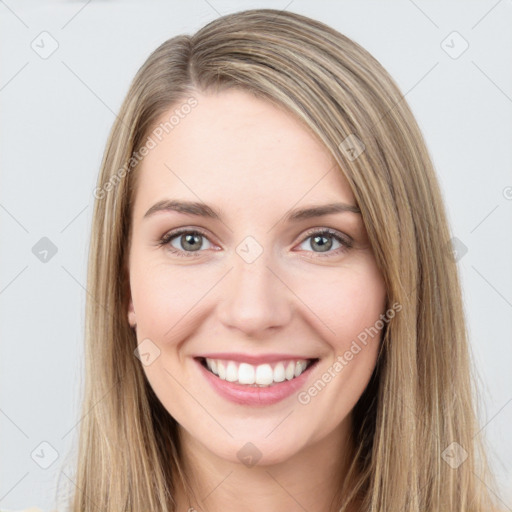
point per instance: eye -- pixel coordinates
(322, 241)
(189, 242)
(184, 242)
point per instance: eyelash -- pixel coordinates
(346, 242)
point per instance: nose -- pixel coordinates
(255, 298)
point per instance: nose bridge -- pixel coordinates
(255, 298)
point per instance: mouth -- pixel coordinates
(262, 375)
(256, 384)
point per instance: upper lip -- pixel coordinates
(254, 359)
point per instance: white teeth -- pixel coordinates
(290, 371)
(231, 372)
(300, 366)
(279, 375)
(246, 373)
(222, 370)
(261, 375)
(264, 374)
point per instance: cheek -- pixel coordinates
(351, 305)
(345, 302)
(163, 297)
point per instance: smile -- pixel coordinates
(253, 384)
(262, 375)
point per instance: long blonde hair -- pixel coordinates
(422, 396)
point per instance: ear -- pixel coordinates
(131, 314)
(128, 293)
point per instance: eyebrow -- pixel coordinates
(203, 210)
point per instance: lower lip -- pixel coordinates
(253, 395)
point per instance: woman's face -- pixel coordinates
(238, 280)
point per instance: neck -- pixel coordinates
(309, 480)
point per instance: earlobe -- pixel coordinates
(131, 315)
(127, 291)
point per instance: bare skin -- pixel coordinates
(303, 295)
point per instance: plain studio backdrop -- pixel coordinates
(65, 68)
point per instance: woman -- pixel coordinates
(274, 321)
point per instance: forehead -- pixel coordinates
(238, 148)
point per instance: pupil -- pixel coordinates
(325, 246)
(189, 239)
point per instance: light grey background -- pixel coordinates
(56, 114)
